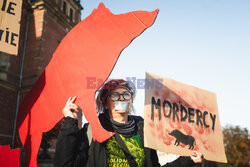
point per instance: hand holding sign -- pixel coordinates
(196, 157)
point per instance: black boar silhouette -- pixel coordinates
(182, 138)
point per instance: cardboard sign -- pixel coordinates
(89, 50)
(10, 16)
(180, 118)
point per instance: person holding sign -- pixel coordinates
(75, 146)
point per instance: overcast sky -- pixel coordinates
(205, 44)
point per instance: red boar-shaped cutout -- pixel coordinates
(8, 157)
(90, 49)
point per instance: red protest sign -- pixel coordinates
(90, 49)
(180, 118)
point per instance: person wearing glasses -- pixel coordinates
(75, 147)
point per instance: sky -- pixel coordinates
(202, 43)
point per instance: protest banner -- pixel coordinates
(10, 17)
(90, 49)
(180, 118)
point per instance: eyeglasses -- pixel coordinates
(115, 96)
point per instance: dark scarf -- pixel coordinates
(125, 129)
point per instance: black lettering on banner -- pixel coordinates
(198, 118)
(213, 117)
(1, 34)
(12, 38)
(190, 114)
(4, 5)
(175, 112)
(170, 108)
(183, 110)
(204, 119)
(7, 36)
(157, 106)
(171, 111)
(10, 9)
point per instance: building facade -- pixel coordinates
(48, 21)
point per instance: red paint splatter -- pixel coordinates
(205, 147)
(175, 125)
(207, 131)
(166, 94)
(167, 140)
(153, 133)
(160, 135)
(159, 127)
(196, 148)
(178, 125)
(167, 131)
(171, 124)
(156, 114)
(182, 145)
(203, 107)
(203, 142)
(151, 124)
(187, 129)
(200, 130)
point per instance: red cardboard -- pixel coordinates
(89, 50)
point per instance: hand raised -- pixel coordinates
(72, 110)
